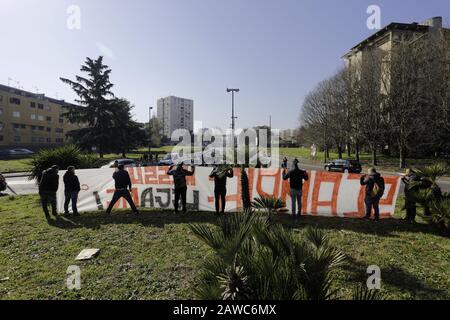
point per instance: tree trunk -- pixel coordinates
(339, 146)
(374, 156)
(123, 154)
(402, 157)
(349, 150)
(357, 152)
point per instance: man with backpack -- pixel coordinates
(374, 183)
(296, 177)
(48, 186)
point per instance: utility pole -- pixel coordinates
(233, 118)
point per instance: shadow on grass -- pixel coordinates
(153, 218)
(158, 218)
(395, 276)
(384, 228)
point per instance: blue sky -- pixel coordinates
(274, 51)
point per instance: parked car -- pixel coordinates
(342, 165)
(15, 153)
(125, 162)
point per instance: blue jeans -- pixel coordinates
(296, 198)
(71, 196)
(372, 203)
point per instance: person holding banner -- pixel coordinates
(48, 186)
(220, 175)
(296, 177)
(123, 187)
(374, 191)
(179, 178)
(71, 190)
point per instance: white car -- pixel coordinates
(125, 162)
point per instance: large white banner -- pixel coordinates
(325, 193)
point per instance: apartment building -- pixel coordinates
(394, 33)
(30, 120)
(175, 113)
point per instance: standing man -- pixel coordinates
(374, 191)
(296, 177)
(220, 176)
(71, 190)
(179, 178)
(48, 186)
(123, 187)
(410, 203)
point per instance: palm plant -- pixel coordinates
(363, 293)
(256, 260)
(269, 205)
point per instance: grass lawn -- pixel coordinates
(155, 256)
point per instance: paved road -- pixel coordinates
(21, 185)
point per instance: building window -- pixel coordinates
(59, 140)
(32, 116)
(40, 106)
(41, 118)
(59, 130)
(1, 138)
(48, 108)
(1, 111)
(34, 139)
(14, 101)
(22, 126)
(61, 120)
(32, 104)
(16, 114)
(41, 139)
(49, 140)
(41, 128)
(16, 138)
(49, 129)
(33, 128)
(1, 98)
(1, 126)
(49, 118)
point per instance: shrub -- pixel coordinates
(65, 156)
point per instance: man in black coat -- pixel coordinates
(123, 187)
(220, 186)
(296, 177)
(374, 191)
(71, 190)
(48, 186)
(179, 178)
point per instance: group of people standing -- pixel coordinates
(373, 182)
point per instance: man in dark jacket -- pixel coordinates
(374, 191)
(48, 186)
(410, 203)
(179, 178)
(71, 190)
(123, 187)
(220, 176)
(296, 177)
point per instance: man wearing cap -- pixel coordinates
(48, 186)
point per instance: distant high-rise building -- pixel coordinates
(175, 113)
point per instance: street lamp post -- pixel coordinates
(150, 130)
(233, 118)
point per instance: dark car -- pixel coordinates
(346, 166)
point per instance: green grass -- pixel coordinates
(155, 256)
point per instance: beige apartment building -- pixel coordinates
(386, 38)
(30, 120)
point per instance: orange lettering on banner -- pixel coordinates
(360, 200)
(322, 177)
(163, 177)
(151, 176)
(135, 175)
(275, 175)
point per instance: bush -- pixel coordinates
(65, 156)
